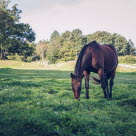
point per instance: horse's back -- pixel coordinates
(105, 57)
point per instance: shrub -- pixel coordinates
(29, 59)
(11, 57)
(127, 59)
(15, 57)
(36, 58)
(19, 58)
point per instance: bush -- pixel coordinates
(29, 59)
(15, 57)
(36, 58)
(127, 59)
(19, 58)
(11, 57)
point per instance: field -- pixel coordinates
(38, 102)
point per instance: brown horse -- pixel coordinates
(101, 59)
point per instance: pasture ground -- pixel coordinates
(40, 103)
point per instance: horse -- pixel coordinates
(100, 59)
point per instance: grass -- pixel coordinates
(67, 66)
(36, 65)
(125, 69)
(40, 102)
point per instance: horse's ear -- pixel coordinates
(72, 75)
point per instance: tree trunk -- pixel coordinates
(42, 56)
(4, 54)
(1, 52)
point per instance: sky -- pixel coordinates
(45, 16)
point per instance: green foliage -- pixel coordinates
(131, 48)
(122, 46)
(66, 47)
(41, 49)
(29, 59)
(40, 102)
(11, 57)
(15, 57)
(127, 59)
(14, 36)
(54, 46)
(99, 36)
(21, 58)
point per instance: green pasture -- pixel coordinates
(40, 103)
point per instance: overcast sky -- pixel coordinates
(45, 16)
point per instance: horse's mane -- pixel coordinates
(78, 63)
(79, 60)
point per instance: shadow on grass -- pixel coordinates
(34, 73)
(60, 79)
(32, 78)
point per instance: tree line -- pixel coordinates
(17, 40)
(66, 46)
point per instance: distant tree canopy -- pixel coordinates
(67, 46)
(15, 37)
(120, 43)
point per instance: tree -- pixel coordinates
(21, 40)
(78, 40)
(103, 37)
(14, 36)
(54, 35)
(6, 25)
(41, 49)
(120, 44)
(131, 48)
(99, 36)
(72, 43)
(54, 47)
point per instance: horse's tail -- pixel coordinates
(114, 50)
(97, 81)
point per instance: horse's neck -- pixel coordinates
(85, 63)
(82, 64)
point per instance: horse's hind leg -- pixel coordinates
(87, 76)
(107, 87)
(111, 83)
(104, 83)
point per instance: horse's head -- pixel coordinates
(76, 83)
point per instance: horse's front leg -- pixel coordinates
(87, 76)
